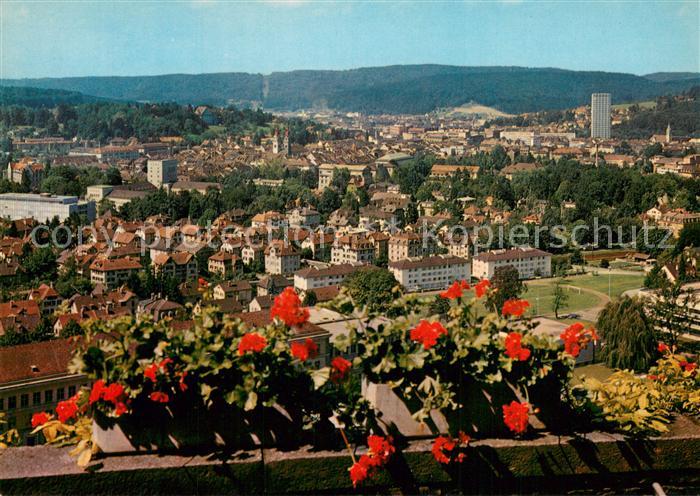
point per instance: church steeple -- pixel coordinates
(668, 133)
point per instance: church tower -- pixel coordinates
(276, 142)
(668, 133)
(286, 144)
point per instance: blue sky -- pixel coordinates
(79, 38)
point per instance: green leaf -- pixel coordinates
(251, 402)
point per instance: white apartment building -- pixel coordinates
(162, 172)
(43, 207)
(430, 273)
(304, 217)
(281, 258)
(530, 262)
(405, 245)
(353, 248)
(312, 277)
(600, 115)
(357, 171)
(113, 272)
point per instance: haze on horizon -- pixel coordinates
(61, 38)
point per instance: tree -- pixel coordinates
(628, 333)
(372, 286)
(672, 311)
(72, 328)
(506, 284)
(310, 299)
(561, 298)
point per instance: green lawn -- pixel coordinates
(617, 283)
(541, 298)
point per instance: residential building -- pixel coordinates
(44, 207)
(304, 217)
(313, 278)
(26, 169)
(676, 220)
(47, 298)
(273, 220)
(441, 171)
(19, 316)
(241, 291)
(179, 265)
(530, 262)
(272, 285)
(361, 173)
(430, 273)
(519, 168)
(281, 258)
(34, 378)
(600, 115)
(113, 272)
(353, 248)
(224, 264)
(405, 245)
(162, 172)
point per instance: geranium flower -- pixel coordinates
(159, 397)
(202, 282)
(252, 342)
(163, 365)
(687, 366)
(427, 333)
(455, 290)
(304, 351)
(444, 445)
(339, 368)
(67, 409)
(514, 347)
(40, 418)
(663, 348)
(181, 383)
(114, 393)
(97, 392)
(576, 338)
(515, 307)
(360, 470)
(380, 448)
(287, 307)
(481, 287)
(516, 416)
(150, 372)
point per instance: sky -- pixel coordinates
(91, 38)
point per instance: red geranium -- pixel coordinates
(380, 449)
(97, 392)
(251, 342)
(443, 446)
(67, 409)
(304, 351)
(516, 416)
(339, 368)
(663, 348)
(514, 347)
(182, 384)
(159, 397)
(360, 470)
(687, 366)
(515, 307)
(481, 287)
(202, 282)
(576, 338)
(40, 418)
(455, 290)
(427, 333)
(287, 307)
(150, 372)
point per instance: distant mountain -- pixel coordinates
(40, 97)
(391, 89)
(663, 77)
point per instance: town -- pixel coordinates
(441, 279)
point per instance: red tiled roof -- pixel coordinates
(50, 358)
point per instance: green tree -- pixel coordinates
(628, 333)
(560, 299)
(372, 286)
(310, 299)
(506, 284)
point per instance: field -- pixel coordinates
(650, 104)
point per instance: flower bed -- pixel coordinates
(460, 377)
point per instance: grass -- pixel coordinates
(541, 298)
(616, 283)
